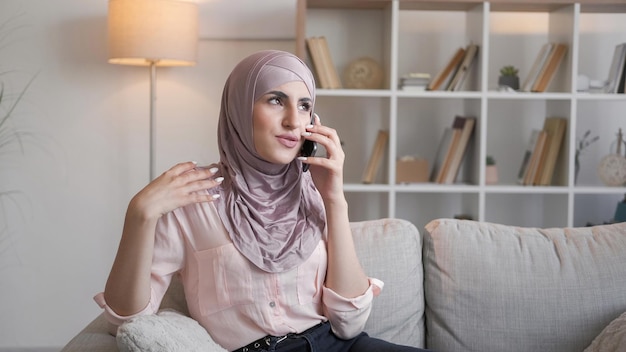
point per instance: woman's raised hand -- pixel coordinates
(327, 172)
(181, 185)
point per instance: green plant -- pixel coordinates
(490, 160)
(11, 140)
(508, 71)
(8, 134)
(584, 141)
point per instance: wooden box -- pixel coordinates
(411, 170)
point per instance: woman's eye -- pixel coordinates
(305, 106)
(274, 100)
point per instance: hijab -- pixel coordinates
(272, 212)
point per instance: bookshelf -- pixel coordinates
(421, 36)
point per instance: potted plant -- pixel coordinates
(508, 77)
(491, 171)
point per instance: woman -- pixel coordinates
(263, 248)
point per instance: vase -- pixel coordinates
(491, 174)
(509, 81)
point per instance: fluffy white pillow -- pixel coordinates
(166, 331)
(612, 338)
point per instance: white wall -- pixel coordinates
(87, 156)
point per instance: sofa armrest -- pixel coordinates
(95, 337)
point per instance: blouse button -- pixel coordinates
(272, 304)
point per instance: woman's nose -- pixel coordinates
(292, 119)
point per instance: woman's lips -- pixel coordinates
(288, 141)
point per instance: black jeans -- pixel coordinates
(322, 339)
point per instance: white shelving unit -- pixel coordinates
(420, 36)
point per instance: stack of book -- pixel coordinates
(414, 81)
(323, 67)
(616, 79)
(542, 152)
(453, 75)
(544, 68)
(452, 149)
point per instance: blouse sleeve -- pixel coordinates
(168, 258)
(348, 316)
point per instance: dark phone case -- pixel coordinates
(308, 148)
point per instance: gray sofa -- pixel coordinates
(473, 286)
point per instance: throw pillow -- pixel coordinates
(612, 338)
(391, 250)
(166, 331)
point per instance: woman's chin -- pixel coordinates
(282, 160)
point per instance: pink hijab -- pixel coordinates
(273, 213)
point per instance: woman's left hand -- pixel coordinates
(327, 172)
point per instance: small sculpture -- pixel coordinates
(612, 168)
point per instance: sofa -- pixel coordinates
(461, 285)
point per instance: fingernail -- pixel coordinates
(306, 134)
(214, 170)
(309, 126)
(301, 158)
(318, 117)
(195, 162)
(215, 196)
(219, 179)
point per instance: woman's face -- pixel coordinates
(279, 118)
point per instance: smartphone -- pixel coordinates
(308, 148)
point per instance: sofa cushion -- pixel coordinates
(493, 287)
(612, 338)
(174, 298)
(391, 250)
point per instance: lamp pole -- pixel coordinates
(152, 118)
(152, 33)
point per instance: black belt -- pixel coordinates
(264, 342)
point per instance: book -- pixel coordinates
(329, 66)
(458, 123)
(373, 165)
(442, 151)
(555, 130)
(466, 126)
(616, 69)
(534, 135)
(468, 59)
(548, 71)
(448, 70)
(622, 77)
(541, 162)
(456, 135)
(533, 164)
(414, 81)
(540, 61)
(315, 54)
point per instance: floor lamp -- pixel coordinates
(152, 33)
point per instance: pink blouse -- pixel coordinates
(236, 302)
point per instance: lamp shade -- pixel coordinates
(162, 32)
